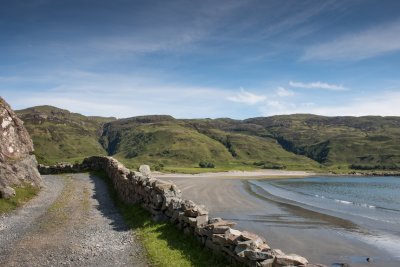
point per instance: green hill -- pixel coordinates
(62, 136)
(300, 141)
(368, 142)
(165, 141)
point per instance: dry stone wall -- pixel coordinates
(164, 201)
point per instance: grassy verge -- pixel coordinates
(23, 194)
(165, 245)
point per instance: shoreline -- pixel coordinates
(318, 237)
(246, 175)
(269, 173)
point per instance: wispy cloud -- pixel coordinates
(282, 92)
(318, 85)
(384, 104)
(116, 95)
(247, 97)
(356, 46)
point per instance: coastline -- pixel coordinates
(256, 174)
(271, 174)
(319, 237)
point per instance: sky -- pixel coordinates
(202, 59)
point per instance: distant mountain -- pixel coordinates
(298, 141)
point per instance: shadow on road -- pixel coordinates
(162, 241)
(106, 205)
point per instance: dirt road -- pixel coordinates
(72, 222)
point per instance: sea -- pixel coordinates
(371, 205)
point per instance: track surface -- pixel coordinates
(72, 222)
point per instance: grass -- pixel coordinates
(61, 136)
(291, 142)
(23, 194)
(164, 243)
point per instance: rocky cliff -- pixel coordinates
(18, 165)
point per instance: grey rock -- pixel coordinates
(291, 260)
(257, 255)
(267, 263)
(7, 192)
(18, 165)
(145, 170)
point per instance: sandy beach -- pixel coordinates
(256, 174)
(320, 238)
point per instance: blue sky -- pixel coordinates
(195, 59)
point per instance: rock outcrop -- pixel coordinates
(18, 165)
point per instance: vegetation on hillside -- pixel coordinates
(59, 135)
(369, 142)
(300, 141)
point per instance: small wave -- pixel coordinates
(364, 205)
(368, 206)
(344, 201)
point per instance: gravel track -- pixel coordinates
(72, 222)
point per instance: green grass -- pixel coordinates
(164, 243)
(291, 142)
(61, 136)
(23, 194)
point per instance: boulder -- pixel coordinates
(145, 170)
(249, 244)
(220, 239)
(257, 255)
(18, 165)
(214, 220)
(232, 235)
(198, 221)
(7, 192)
(291, 260)
(267, 263)
(220, 227)
(191, 209)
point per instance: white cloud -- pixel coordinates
(356, 46)
(318, 85)
(383, 104)
(247, 98)
(282, 92)
(116, 95)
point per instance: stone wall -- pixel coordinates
(18, 165)
(163, 200)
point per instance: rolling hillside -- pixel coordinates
(62, 136)
(299, 141)
(165, 141)
(362, 142)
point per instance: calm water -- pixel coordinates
(372, 203)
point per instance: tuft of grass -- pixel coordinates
(23, 194)
(164, 243)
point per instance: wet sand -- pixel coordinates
(320, 238)
(256, 174)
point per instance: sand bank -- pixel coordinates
(294, 230)
(257, 174)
